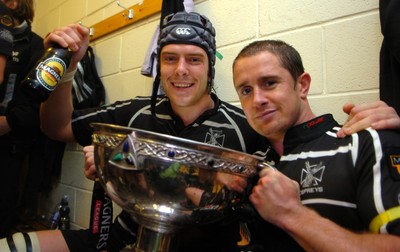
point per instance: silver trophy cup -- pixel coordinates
(167, 183)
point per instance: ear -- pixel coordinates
(304, 82)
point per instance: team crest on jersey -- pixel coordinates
(215, 137)
(394, 164)
(311, 176)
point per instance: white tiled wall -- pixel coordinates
(339, 41)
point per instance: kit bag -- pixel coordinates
(87, 89)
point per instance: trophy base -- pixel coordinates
(152, 241)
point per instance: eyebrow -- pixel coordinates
(262, 78)
(240, 85)
(186, 54)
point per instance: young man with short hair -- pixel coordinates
(328, 193)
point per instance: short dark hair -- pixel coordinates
(289, 57)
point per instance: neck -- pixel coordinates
(277, 140)
(189, 114)
(277, 144)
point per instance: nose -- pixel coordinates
(259, 97)
(181, 67)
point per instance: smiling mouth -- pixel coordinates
(181, 85)
(265, 114)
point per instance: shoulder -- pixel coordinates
(376, 140)
(230, 106)
(231, 109)
(36, 38)
(381, 135)
(28, 42)
(35, 41)
(136, 101)
(144, 99)
(388, 137)
(128, 106)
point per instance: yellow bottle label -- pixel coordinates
(50, 72)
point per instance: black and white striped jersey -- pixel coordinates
(350, 180)
(354, 181)
(225, 125)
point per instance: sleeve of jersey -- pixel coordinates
(117, 113)
(378, 185)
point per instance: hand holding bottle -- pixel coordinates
(74, 37)
(65, 47)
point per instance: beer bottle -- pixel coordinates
(44, 77)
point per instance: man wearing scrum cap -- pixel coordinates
(189, 109)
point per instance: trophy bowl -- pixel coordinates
(167, 183)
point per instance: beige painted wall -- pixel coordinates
(338, 39)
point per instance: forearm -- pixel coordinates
(315, 233)
(4, 127)
(42, 241)
(55, 113)
(3, 63)
(51, 240)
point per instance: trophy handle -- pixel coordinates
(264, 165)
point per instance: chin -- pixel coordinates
(257, 128)
(263, 130)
